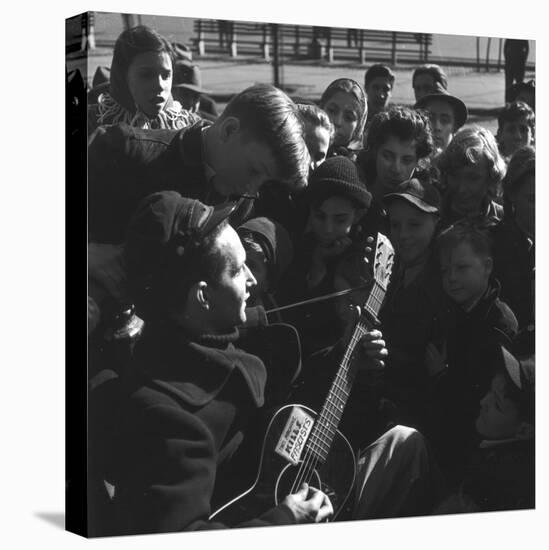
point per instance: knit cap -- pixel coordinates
(338, 176)
(274, 241)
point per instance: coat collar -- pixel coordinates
(196, 372)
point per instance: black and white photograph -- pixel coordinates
(310, 287)
(310, 276)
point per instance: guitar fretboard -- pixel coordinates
(329, 418)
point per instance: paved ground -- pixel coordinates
(481, 91)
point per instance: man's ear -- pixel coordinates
(200, 292)
(229, 127)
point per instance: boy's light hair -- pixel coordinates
(268, 115)
(469, 145)
(316, 116)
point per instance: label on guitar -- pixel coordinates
(294, 436)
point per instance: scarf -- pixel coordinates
(173, 116)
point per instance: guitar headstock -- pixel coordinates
(383, 261)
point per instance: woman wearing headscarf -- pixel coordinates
(345, 103)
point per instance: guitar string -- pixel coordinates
(323, 425)
(311, 459)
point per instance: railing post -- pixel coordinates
(201, 42)
(362, 51)
(232, 44)
(87, 41)
(329, 46)
(265, 44)
(499, 54)
(394, 53)
(276, 59)
(478, 54)
(488, 45)
(296, 43)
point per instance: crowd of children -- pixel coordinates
(308, 188)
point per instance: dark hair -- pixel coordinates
(432, 70)
(402, 122)
(129, 44)
(168, 286)
(473, 232)
(379, 70)
(513, 112)
(268, 115)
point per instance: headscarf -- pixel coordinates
(117, 105)
(350, 86)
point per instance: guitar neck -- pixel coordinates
(330, 415)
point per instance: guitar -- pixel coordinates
(302, 446)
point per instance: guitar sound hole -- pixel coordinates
(291, 477)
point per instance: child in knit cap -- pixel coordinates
(269, 252)
(337, 201)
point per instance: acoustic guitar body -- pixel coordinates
(289, 455)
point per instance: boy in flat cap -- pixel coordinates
(500, 473)
(413, 299)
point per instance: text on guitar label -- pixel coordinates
(294, 436)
